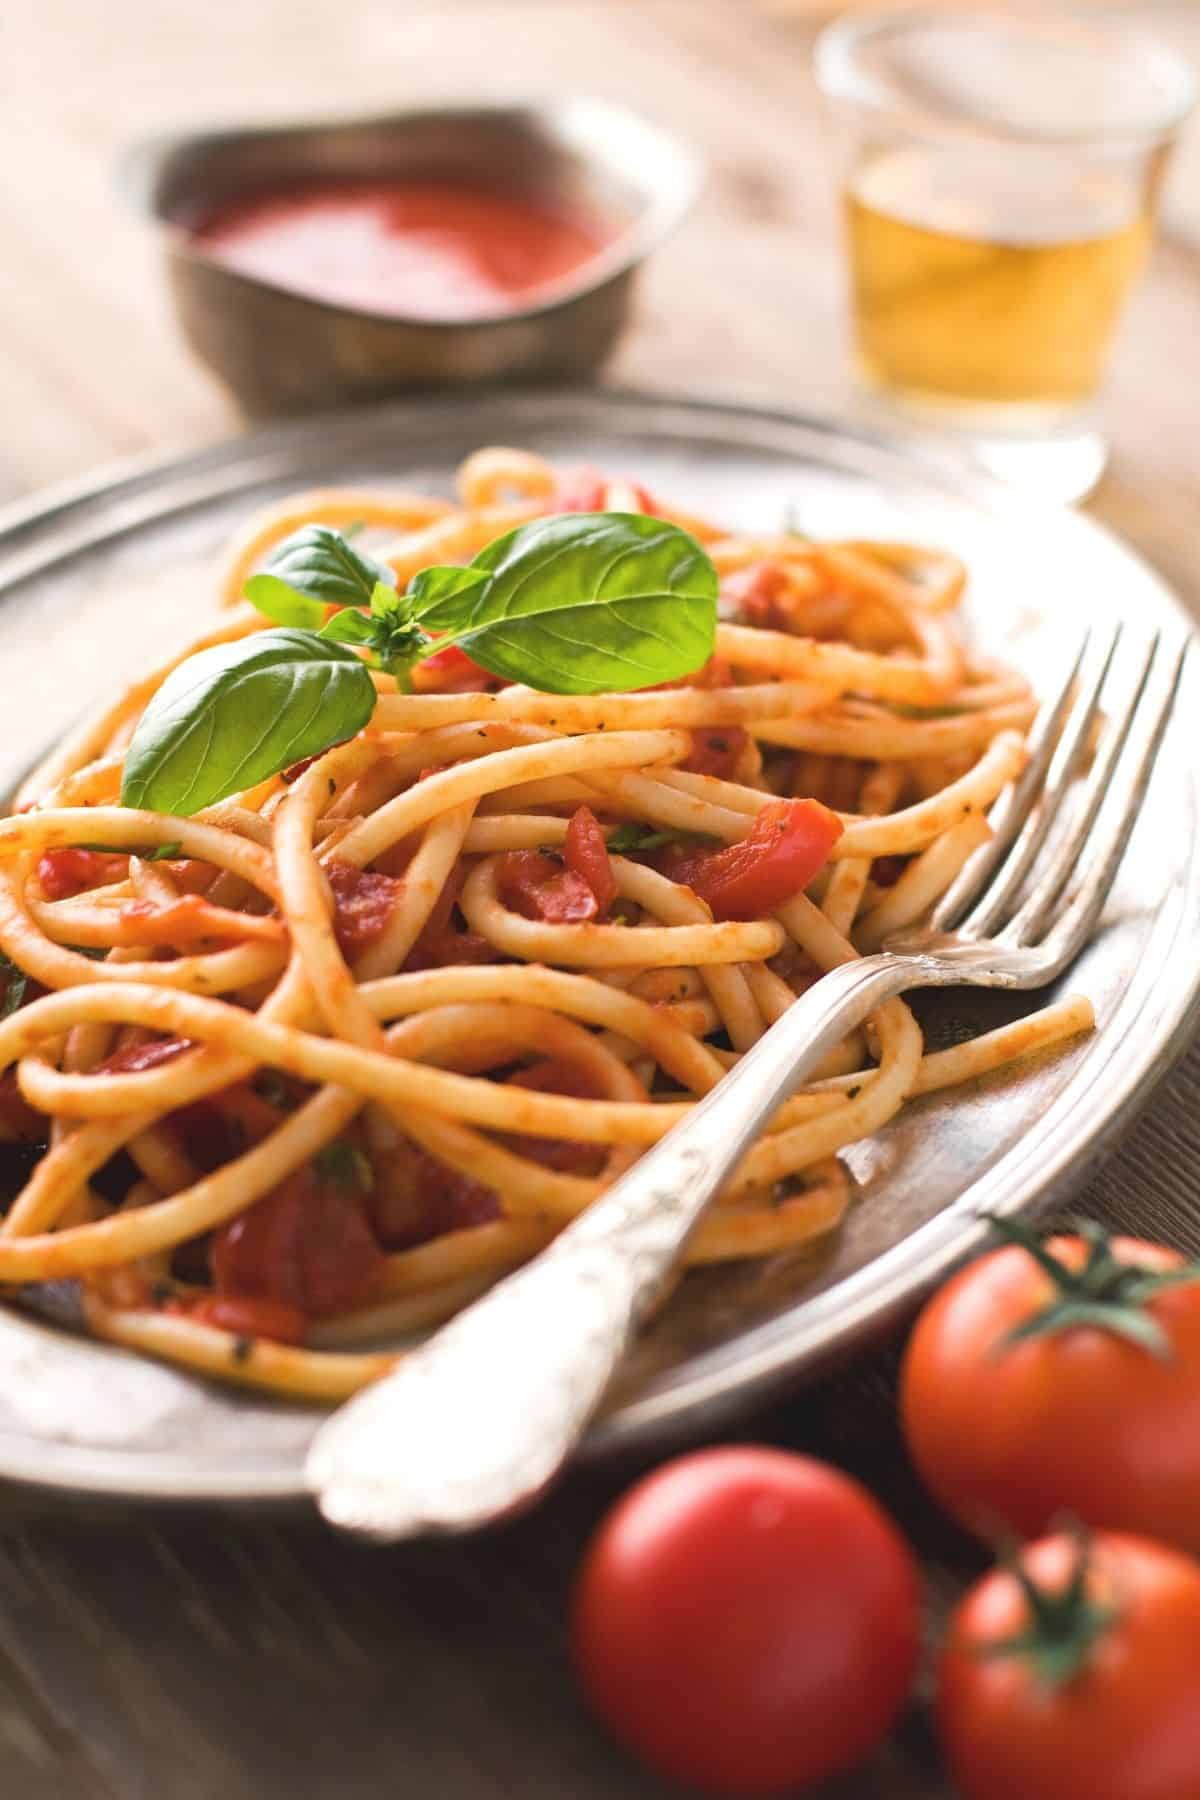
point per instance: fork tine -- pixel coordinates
(1079, 920)
(1013, 808)
(1067, 757)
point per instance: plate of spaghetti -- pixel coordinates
(457, 815)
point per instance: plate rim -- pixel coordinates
(860, 1305)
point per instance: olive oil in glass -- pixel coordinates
(980, 294)
(999, 171)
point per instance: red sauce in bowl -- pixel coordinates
(409, 249)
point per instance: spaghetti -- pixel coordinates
(307, 1071)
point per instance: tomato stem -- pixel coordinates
(1064, 1624)
(1106, 1293)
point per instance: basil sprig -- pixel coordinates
(577, 603)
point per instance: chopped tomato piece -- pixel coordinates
(441, 942)
(887, 870)
(757, 595)
(716, 751)
(395, 859)
(416, 1198)
(556, 1076)
(192, 876)
(189, 920)
(789, 842)
(578, 490)
(576, 891)
(362, 904)
(64, 873)
(586, 490)
(18, 1120)
(796, 967)
(249, 1318)
(541, 888)
(215, 1130)
(142, 1054)
(452, 671)
(307, 1243)
(587, 855)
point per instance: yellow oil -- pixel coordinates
(978, 283)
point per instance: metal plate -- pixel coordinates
(96, 581)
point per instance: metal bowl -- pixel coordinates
(281, 351)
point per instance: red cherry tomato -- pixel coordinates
(789, 842)
(746, 1620)
(1078, 1419)
(1107, 1707)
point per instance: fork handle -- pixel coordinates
(476, 1422)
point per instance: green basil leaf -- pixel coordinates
(387, 603)
(164, 853)
(13, 983)
(587, 603)
(277, 601)
(235, 713)
(349, 626)
(441, 597)
(630, 838)
(318, 561)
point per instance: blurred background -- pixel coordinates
(745, 299)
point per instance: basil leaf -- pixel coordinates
(235, 713)
(441, 597)
(317, 561)
(630, 839)
(386, 603)
(349, 626)
(164, 853)
(13, 983)
(277, 601)
(586, 603)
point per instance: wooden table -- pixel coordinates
(185, 1658)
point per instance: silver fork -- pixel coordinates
(476, 1423)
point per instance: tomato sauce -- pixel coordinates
(407, 249)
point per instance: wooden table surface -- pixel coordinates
(187, 1657)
